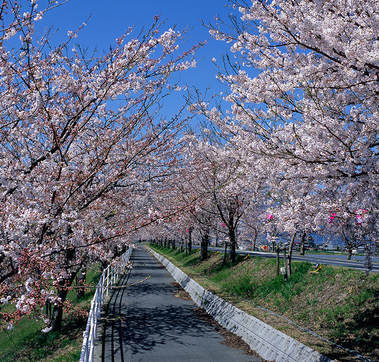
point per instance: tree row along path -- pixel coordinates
(147, 321)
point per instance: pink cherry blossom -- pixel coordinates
(82, 149)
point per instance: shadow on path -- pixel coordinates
(146, 322)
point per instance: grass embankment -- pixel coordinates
(339, 304)
(26, 342)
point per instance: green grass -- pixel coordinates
(68, 357)
(338, 303)
(26, 342)
(185, 259)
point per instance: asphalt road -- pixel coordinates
(146, 322)
(337, 260)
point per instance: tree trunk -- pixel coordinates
(302, 242)
(80, 282)
(290, 253)
(232, 247)
(204, 246)
(189, 240)
(285, 263)
(277, 260)
(57, 315)
(255, 239)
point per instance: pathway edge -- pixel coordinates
(268, 342)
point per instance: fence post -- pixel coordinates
(108, 272)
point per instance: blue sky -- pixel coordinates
(110, 19)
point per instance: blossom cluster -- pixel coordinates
(81, 148)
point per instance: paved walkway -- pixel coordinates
(157, 326)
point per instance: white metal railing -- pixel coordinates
(107, 279)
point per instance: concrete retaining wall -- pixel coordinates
(268, 342)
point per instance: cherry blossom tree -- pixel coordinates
(190, 199)
(303, 88)
(218, 180)
(81, 149)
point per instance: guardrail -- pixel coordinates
(107, 279)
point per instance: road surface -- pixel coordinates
(336, 260)
(147, 323)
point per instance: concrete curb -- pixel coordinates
(268, 342)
